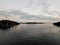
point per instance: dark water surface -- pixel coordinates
(31, 34)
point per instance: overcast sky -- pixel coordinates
(34, 9)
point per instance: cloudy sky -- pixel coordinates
(30, 10)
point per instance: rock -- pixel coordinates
(5, 24)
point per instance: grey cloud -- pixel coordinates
(24, 15)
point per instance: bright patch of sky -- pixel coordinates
(47, 8)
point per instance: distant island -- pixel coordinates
(5, 24)
(32, 23)
(56, 24)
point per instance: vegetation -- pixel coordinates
(5, 24)
(57, 23)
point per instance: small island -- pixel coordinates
(57, 24)
(32, 23)
(5, 24)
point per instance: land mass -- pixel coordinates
(5, 24)
(32, 23)
(57, 24)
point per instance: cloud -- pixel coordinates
(19, 16)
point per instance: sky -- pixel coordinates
(30, 10)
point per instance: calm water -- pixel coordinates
(31, 34)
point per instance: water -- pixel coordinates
(31, 34)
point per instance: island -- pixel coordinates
(32, 23)
(5, 24)
(57, 24)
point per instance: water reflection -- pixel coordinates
(31, 34)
